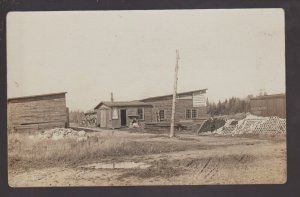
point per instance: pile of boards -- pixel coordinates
(253, 125)
(89, 120)
(211, 125)
(62, 133)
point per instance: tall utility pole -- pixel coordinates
(172, 133)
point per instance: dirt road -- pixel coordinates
(215, 160)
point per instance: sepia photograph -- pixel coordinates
(146, 97)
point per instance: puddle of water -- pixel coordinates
(118, 165)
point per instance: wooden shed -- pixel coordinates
(270, 105)
(38, 112)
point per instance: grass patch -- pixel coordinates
(26, 151)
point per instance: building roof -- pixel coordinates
(123, 104)
(171, 95)
(35, 96)
(268, 96)
(141, 103)
(90, 113)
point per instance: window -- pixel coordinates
(115, 114)
(194, 113)
(191, 113)
(140, 113)
(187, 113)
(161, 114)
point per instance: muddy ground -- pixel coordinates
(184, 160)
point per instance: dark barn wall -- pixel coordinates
(269, 106)
(37, 112)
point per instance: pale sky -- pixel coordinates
(234, 52)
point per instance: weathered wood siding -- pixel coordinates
(116, 123)
(148, 115)
(181, 106)
(102, 121)
(269, 106)
(36, 113)
(133, 111)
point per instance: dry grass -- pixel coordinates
(31, 152)
(28, 151)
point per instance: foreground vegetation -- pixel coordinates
(29, 151)
(186, 159)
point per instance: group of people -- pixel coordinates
(134, 123)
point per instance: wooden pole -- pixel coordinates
(172, 133)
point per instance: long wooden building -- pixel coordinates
(269, 105)
(38, 112)
(190, 107)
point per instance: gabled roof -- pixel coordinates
(36, 96)
(123, 104)
(90, 113)
(171, 95)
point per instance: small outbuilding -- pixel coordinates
(38, 112)
(269, 105)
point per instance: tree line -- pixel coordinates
(232, 105)
(76, 116)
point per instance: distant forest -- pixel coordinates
(232, 105)
(76, 116)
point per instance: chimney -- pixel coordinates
(111, 97)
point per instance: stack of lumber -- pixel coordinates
(212, 124)
(89, 120)
(254, 125)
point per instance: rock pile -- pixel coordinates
(61, 133)
(253, 125)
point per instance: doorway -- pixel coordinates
(103, 118)
(123, 117)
